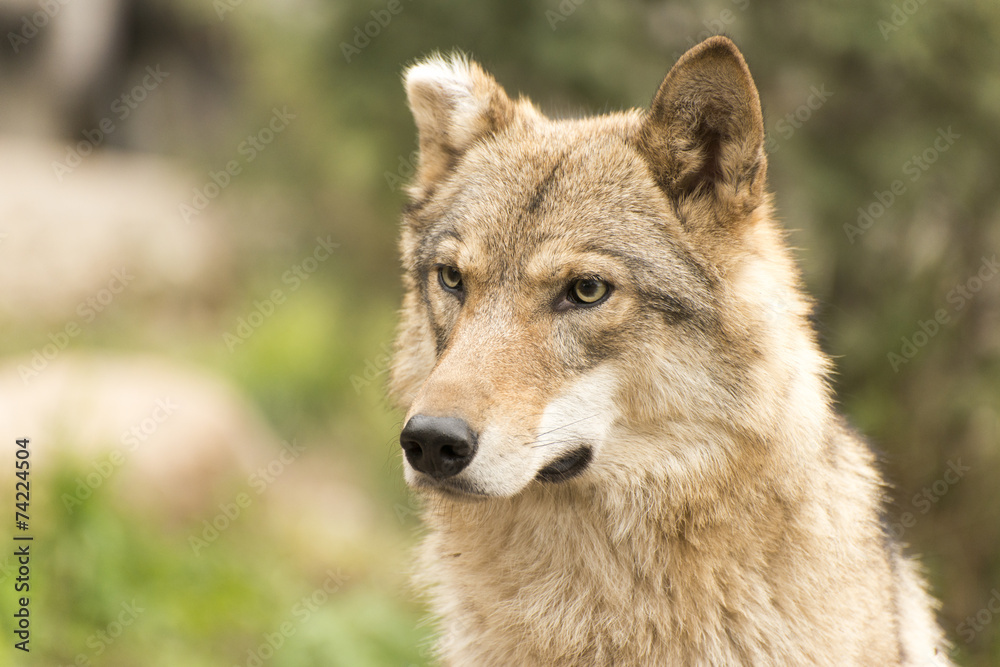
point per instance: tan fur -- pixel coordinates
(728, 516)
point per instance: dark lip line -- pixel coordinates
(451, 488)
(567, 466)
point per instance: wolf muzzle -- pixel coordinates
(440, 447)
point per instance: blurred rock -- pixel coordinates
(164, 439)
(63, 235)
(182, 447)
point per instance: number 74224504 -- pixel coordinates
(22, 490)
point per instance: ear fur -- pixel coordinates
(703, 137)
(454, 103)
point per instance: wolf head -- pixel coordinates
(592, 300)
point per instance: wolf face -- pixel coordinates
(595, 294)
(604, 342)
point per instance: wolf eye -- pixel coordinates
(450, 278)
(588, 291)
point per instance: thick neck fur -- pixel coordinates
(727, 515)
(647, 571)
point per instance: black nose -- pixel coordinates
(438, 446)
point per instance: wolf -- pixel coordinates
(617, 414)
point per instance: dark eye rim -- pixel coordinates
(569, 299)
(458, 288)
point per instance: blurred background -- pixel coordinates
(198, 284)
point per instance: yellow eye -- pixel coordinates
(588, 291)
(450, 277)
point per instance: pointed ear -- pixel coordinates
(454, 103)
(704, 135)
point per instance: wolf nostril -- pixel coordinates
(438, 446)
(454, 451)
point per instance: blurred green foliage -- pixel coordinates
(336, 171)
(115, 589)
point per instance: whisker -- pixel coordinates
(566, 425)
(554, 442)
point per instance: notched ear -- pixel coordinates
(704, 134)
(454, 103)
